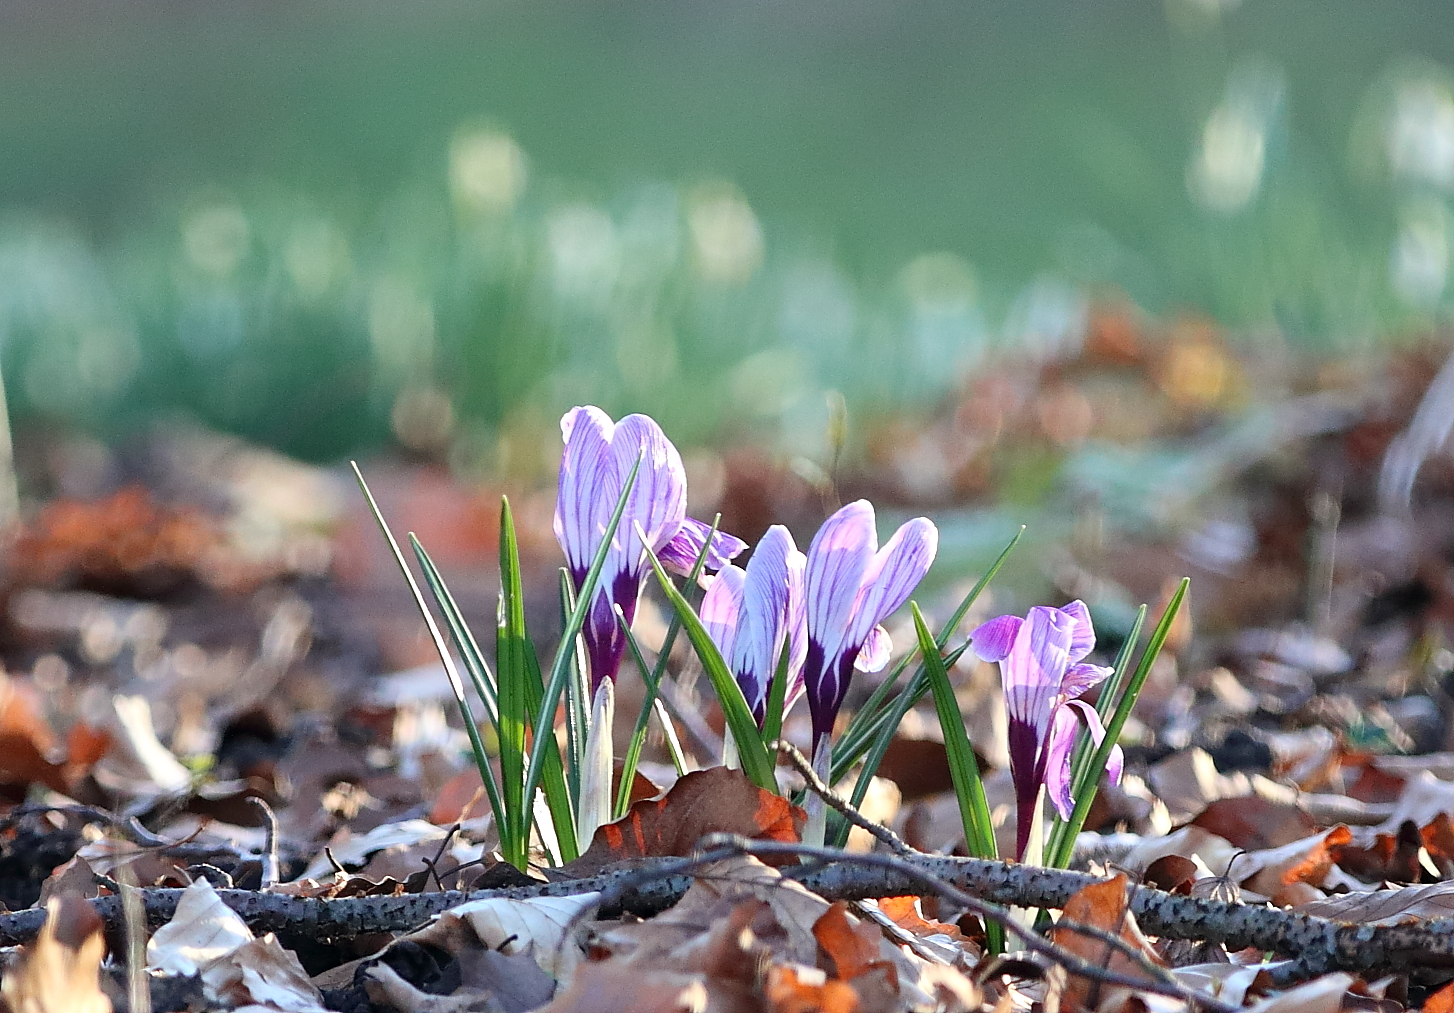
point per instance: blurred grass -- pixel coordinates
(244, 211)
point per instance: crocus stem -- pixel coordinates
(816, 829)
(595, 805)
(730, 757)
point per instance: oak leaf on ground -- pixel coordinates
(716, 800)
(1104, 906)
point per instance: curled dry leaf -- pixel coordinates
(1323, 995)
(1254, 823)
(792, 989)
(205, 937)
(1287, 874)
(489, 981)
(716, 800)
(60, 972)
(1386, 907)
(350, 850)
(852, 947)
(611, 987)
(536, 926)
(1103, 906)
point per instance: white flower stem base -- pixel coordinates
(816, 829)
(599, 763)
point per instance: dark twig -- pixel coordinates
(1156, 980)
(1320, 944)
(837, 802)
(432, 864)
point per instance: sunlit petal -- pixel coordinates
(893, 574)
(1057, 760)
(992, 640)
(721, 609)
(1080, 678)
(764, 617)
(874, 654)
(1083, 640)
(680, 553)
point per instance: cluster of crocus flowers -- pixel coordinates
(1041, 659)
(827, 605)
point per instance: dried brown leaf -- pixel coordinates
(717, 800)
(60, 972)
(1103, 906)
(1386, 907)
(852, 948)
(793, 989)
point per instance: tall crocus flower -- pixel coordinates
(599, 455)
(1041, 665)
(851, 586)
(749, 613)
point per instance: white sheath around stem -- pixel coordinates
(599, 761)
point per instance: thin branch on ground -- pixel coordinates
(1319, 944)
(1157, 979)
(837, 802)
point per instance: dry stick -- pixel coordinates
(716, 847)
(837, 802)
(1321, 945)
(946, 890)
(1158, 980)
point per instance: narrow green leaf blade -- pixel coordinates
(777, 693)
(756, 763)
(464, 643)
(974, 809)
(653, 680)
(451, 672)
(513, 674)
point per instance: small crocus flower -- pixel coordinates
(1042, 669)
(851, 585)
(749, 613)
(599, 455)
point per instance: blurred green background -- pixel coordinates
(311, 223)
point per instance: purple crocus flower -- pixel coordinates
(1041, 666)
(599, 455)
(851, 586)
(750, 612)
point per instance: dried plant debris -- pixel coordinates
(234, 774)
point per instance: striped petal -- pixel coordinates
(1083, 640)
(658, 502)
(891, 577)
(838, 557)
(721, 609)
(1057, 760)
(763, 621)
(680, 554)
(586, 482)
(992, 640)
(876, 650)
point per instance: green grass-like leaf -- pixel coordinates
(756, 763)
(510, 637)
(1105, 703)
(477, 745)
(469, 650)
(974, 809)
(777, 692)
